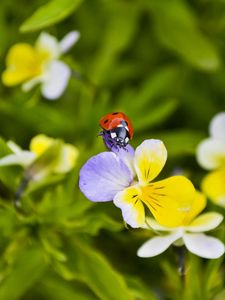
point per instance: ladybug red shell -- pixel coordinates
(117, 129)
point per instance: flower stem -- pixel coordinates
(181, 261)
(23, 184)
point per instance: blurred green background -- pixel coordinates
(161, 63)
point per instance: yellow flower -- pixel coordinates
(126, 178)
(39, 64)
(68, 154)
(189, 233)
(211, 156)
(61, 162)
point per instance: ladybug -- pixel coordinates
(117, 130)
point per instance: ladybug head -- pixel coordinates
(117, 137)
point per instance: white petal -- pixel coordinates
(68, 41)
(30, 84)
(151, 223)
(203, 245)
(211, 153)
(14, 147)
(157, 245)
(205, 222)
(67, 159)
(24, 158)
(47, 43)
(217, 126)
(56, 78)
(131, 206)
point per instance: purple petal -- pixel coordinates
(124, 151)
(103, 176)
(127, 156)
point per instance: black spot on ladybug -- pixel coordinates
(106, 121)
(115, 113)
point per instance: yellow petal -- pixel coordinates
(40, 143)
(213, 185)
(198, 205)
(132, 208)
(22, 64)
(150, 157)
(169, 200)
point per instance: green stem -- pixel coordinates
(181, 262)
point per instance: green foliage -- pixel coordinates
(177, 29)
(162, 63)
(49, 14)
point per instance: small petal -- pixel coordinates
(30, 84)
(47, 46)
(40, 143)
(23, 158)
(14, 147)
(22, 64)
(151, 223)
(211, 153)
(205, 222)
(169, 200)
(103, 176)
(67, 159)
(197, 206)
(57, 75)
(157, 245)
(203, 245)
(217, 126)
(68, 41)
(132, 208)
(213, 186)
(150, 158)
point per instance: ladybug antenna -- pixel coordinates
(101, 133)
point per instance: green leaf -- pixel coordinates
(157, 115)
(140, 290)
(27, 269)
(157, 85)
(53, 288)
(8, 174)
(49, 14)
(37, 116)
(92, 222)
(120, 29)
(51, 249)
(177, 29)
(98, 274)
(4, 148)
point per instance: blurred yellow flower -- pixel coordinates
(39, 64)
(60, 162)
(211, 156)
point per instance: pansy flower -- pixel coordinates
(45, 156)
(40, 64)
(189, 233)
(126, 178)
(211, 156)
